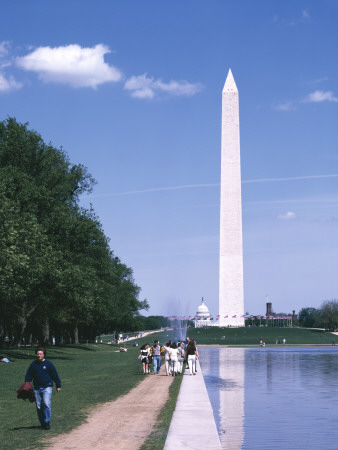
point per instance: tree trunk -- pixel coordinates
(22, 322)
(45, 333)
(76, 334)
(2, 332)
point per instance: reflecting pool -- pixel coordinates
(273, 398)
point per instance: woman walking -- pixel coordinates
(191, 354)
(167, 349)
(180, 356)
(144, 357)
(174, 359)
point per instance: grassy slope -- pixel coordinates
(89, 374)
(92, 374)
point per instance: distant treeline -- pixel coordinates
(58, 276)
(324, 317)
(151, 322)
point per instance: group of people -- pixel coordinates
(43, 374)
(174, 354)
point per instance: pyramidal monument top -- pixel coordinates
(230, 85)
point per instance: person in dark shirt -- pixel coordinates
(42, 372)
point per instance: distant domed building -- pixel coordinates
(202, 316)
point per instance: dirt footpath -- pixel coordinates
(124, 423)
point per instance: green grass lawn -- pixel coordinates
(90, 375)
(248, 336)
(93, 374)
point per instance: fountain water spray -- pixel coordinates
(182, 326)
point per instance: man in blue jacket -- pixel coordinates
(43, 373)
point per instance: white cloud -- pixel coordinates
(287, 216)
(72, 65)
(305, 14)
(321, 96)
(143, 86)
(288, 106)
(140, 87)
(8, 84)
(4, 48)
(318, 80)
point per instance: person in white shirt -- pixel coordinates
(180, 349)
(144, 357)
(174, 358)
(167, 349)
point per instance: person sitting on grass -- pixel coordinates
(43, 373)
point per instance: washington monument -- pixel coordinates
(231, 292)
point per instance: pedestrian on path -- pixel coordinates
(144, 357)
(180, 356)
(42, 372)
(191, 354)
(166, 347)
(156, 352)
(174, 358)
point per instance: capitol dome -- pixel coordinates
(202, 312)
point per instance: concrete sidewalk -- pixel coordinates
(193, 425)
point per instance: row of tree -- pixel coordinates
(58, 276)
(324, 317)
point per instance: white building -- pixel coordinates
(202, 316)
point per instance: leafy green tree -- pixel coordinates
(55, 259)
(309, 317)
(329, 314)
(25, 260)
(151, 322)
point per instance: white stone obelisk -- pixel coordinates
(231, 292)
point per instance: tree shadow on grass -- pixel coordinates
(15, 355)
(82, 347)
(12, 354)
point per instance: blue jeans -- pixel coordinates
(43, 398)
(157, 363)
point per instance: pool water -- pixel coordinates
(273, 398)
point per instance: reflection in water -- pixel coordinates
(224, 377)
(291, 396)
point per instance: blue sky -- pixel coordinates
(132, 90)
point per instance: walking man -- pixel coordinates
(157, 357)
(43, 373)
